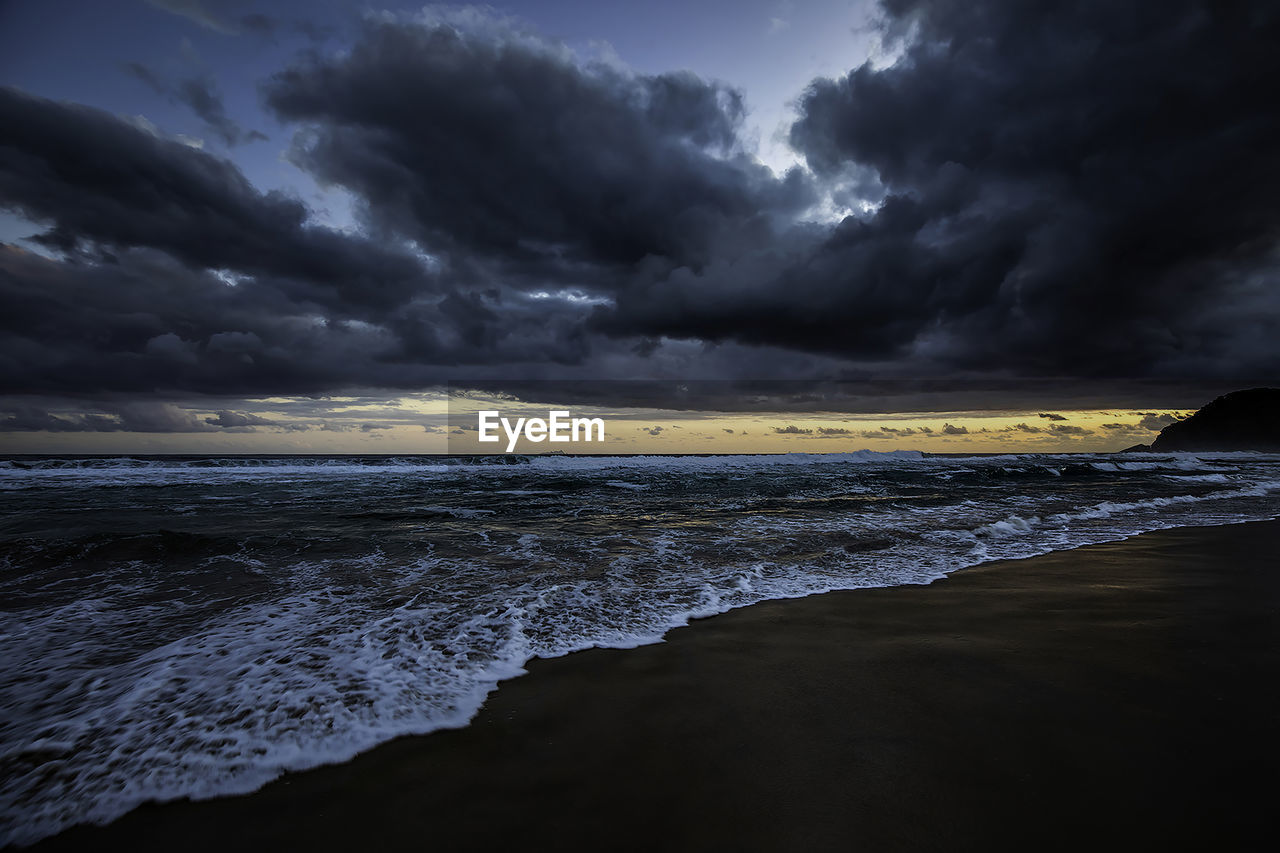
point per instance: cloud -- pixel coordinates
(516, 151)
(137, 190)
(135, 416)
(1061, 189)
(144, 74)
(792, 429)
(126, 417)
(823, 396)
(195, 11)
(227, 418)
(169, 254)
(27, 418)
(202, 96)
(176, 273)
(1051, 416)
(1068, 429)
(1034, 190)
(950, 429)
(1120, 429)
(259, 24)
(1155, 421)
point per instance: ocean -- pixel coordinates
(197, 626)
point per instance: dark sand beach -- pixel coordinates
(1116, 696)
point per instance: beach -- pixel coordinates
(1120, 694)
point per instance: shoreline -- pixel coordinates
(1118, 688)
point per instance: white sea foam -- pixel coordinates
(1014, 525)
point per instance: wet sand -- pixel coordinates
(1117, 696)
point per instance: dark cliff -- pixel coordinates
(1241, 420)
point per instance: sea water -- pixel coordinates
(194, 626)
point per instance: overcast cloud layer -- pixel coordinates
(1080, 190)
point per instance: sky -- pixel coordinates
(251, 226)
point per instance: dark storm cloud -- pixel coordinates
(180, 277)
(144, 323)
(124, 417)
(227, 418)
(1071, 188)
(97, 179)
(486, 140)
(1052, 416)
(852, 396)
(27, 418)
